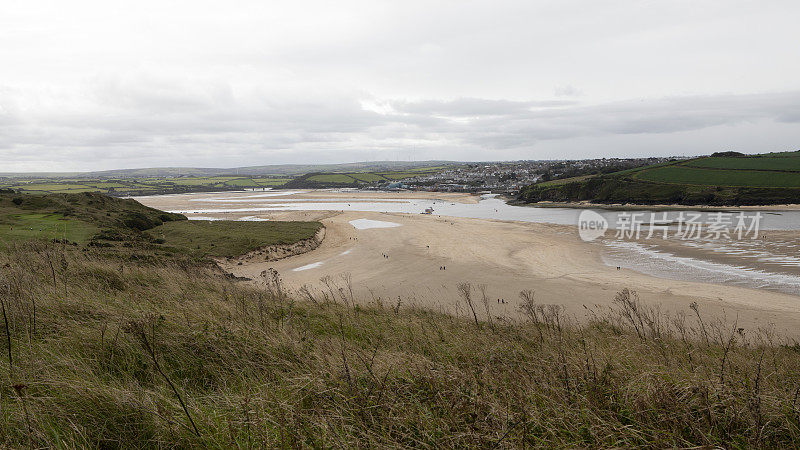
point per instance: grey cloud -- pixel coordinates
(567, 91)
(216, 125)
(468, 107)
(656, 116)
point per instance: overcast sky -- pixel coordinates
(89, 85)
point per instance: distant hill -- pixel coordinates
(137, 182)
(722, 179)
(275, 169)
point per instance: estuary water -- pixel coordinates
(767, 258)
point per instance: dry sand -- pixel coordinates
(506, 257)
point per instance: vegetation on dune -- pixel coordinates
(100, 221)
(76, 217)
(722, 180)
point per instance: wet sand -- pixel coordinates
(506, 257)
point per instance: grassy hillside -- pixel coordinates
(79, 218)
(124, 225)
(715, 180)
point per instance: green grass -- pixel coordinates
(52, 187)
(332, 178)
(230, 238)
(399, 175)
(768, 179)
(270, 181)
(78, 217)
(241, 182)
(786, 163)
(197, 181)
(564, 180)
(14, 227)
(678, 174)
(431, 169)
(106, 184)
(368, 177)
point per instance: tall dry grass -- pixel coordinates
(106, 351)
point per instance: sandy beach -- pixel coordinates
(420, 259)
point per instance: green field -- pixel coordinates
(332, 178)
(400, 175)
(368, 177)
(787, 163)
(771, 170)
(270, 181)
(357, 179)
(772, 178)
(564, 180)
(365, 177)
(681, 174)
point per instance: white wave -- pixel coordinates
(652, 261)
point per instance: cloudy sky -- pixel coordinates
(89, 85)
